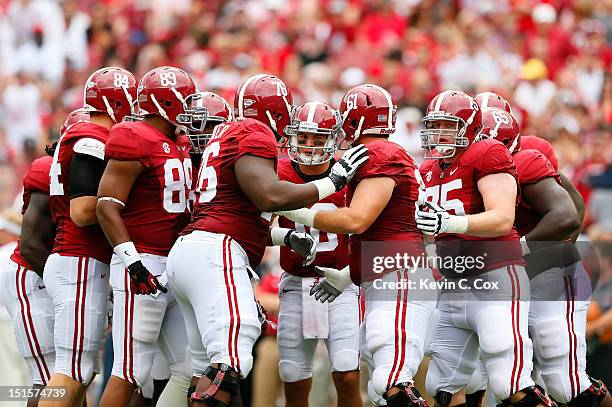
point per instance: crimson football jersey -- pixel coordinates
(531, 166)
(396, 221)
(221, 206)
(36, 180)
(71, 240)
(456, 189)
(332, 249)
(543, 146)
(158, 207)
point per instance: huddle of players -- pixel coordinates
(130, 183)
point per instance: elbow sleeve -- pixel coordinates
(85, 174)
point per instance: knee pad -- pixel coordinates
(549, 339)
(593, 396)
(291, 372)
(408, 396)
(222, 379)
(495, 334)
(534, 396)
(149, 319)
(379, 332)
(345, 361)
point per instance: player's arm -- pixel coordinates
(499, 197)
(498, 193)
(86, 170)
(259, 181)
(37, 228)
(115, 186)
(113, 192)
(370, 198)
(556, 208)
(578, 203)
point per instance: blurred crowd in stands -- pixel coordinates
(551, 59)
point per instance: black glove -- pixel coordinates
(343, 171)
(142, 281)
(303, 244)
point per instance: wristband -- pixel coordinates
(304, 216)
(127, 253)
(278, 235)
(524, 245)
(325, 186)
(111, 199)
(457, 224)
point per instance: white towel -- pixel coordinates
(315, 323)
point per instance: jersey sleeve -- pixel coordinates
(258, 140)
(124, 145)
(493, 159)
(532, 166)
(385, 161)
(37, 178)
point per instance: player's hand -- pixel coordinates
(331, 286)
(437, 220)
(303, 244)
(142, 281)
(343, 171)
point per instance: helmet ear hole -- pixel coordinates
(279, 116)
(354, 123)
(167, 103)
(505, 141)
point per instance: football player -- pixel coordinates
(313, 136)
(381, 201)
(23, 290)
(490, 99)
(76, 272)
(142, 206)
(557, 313)
(217, 111)
(471, 196)
(210, 266)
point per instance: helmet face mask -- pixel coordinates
(207, 111)
(313, 134)
(453, 121)
(442, 135)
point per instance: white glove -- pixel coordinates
(331, 286)
(439, 221)
(342, 171)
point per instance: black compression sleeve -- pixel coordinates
(85, 174)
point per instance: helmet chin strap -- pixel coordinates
(109, 109)
(358, 131)
(272, 122)
(160, 110)
(514, 144)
